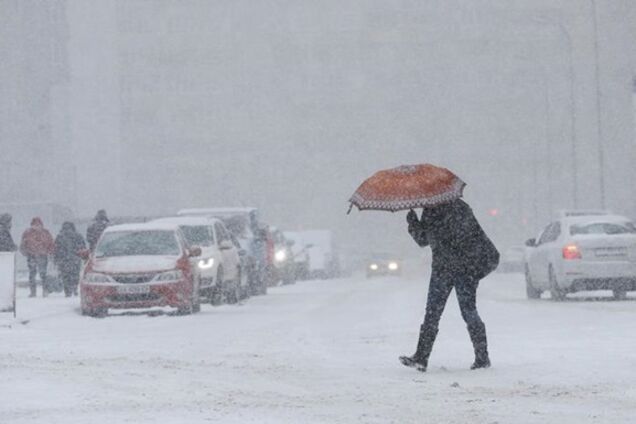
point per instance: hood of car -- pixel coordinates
(134, 264)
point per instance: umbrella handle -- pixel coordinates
(350, 207)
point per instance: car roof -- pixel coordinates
(145, 226)
(583, 213)
(215, 211)
(188, 220)
(591, 219)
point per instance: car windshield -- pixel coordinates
(197, 235)
(607, 228)
(138, 243)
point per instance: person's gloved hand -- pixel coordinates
(411, 218)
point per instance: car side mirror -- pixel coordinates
(531, 242)
(242, 252)
(225, 245)
(194, 252)
(84, 254)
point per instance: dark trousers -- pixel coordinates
(37, 264)
(70, 280)
(440, 288)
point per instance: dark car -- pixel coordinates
(383, 264)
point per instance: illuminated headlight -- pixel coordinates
(169, 276)
(96, 277)
(373, 267)
(206, 263)
(280, 256)
(393, 266)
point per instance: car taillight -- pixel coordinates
(571, 251)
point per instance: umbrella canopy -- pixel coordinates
(408, 187)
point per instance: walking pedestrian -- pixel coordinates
(37, 244)
(95, 230)
(6, 241)
(462, 255)
(68, 244)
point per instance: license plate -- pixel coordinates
(133, 289)
(611, 252)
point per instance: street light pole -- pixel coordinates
(599, 118)
(572, 100)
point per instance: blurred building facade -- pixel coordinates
(288, 105)
(36, 164)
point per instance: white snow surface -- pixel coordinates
(321, 352)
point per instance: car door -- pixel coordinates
(545, 252)
(532, 254)
(230, 255)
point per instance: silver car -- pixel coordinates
(579, 253)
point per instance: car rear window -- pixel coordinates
(138, 243)
(607, 228)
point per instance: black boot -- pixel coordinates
(480, 345)
(32, 288)
(419, 360)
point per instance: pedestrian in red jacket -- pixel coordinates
(37, 244)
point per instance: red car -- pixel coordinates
(140, 266)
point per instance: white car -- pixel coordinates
(219, 265)
(579, 253)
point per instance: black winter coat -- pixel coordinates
(458, 242)
(94, 232)
(6, 241)
(67, 245)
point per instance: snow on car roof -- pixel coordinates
(187, 220)
(215, 211)
(591, 219)
(145, 226)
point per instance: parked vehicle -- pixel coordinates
(140, 266)
(221, 272)
(582, 252)
(323, 259)
(512, 260)
(300, 254)
(383, 264)
(284, 266)
(245, 225)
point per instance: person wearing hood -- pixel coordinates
(462, 255)
(37, 244)
(68, 244)
(6, 241)
(95, 230)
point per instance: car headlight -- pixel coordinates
(169, 276)
(280, 256)
(373, 267)
(206, 263)
(393, 266)
(96, 277)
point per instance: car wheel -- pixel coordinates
(244, 284)
(620, 294)
(233, 291)
(95, 313)
(531, 292)
(556, 293)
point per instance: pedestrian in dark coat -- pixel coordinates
(68, 244)
(462, 255)
(6, 241)
(37, 244)
(95, 230)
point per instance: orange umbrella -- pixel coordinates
(407, 187)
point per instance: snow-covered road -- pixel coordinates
(322, 352)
